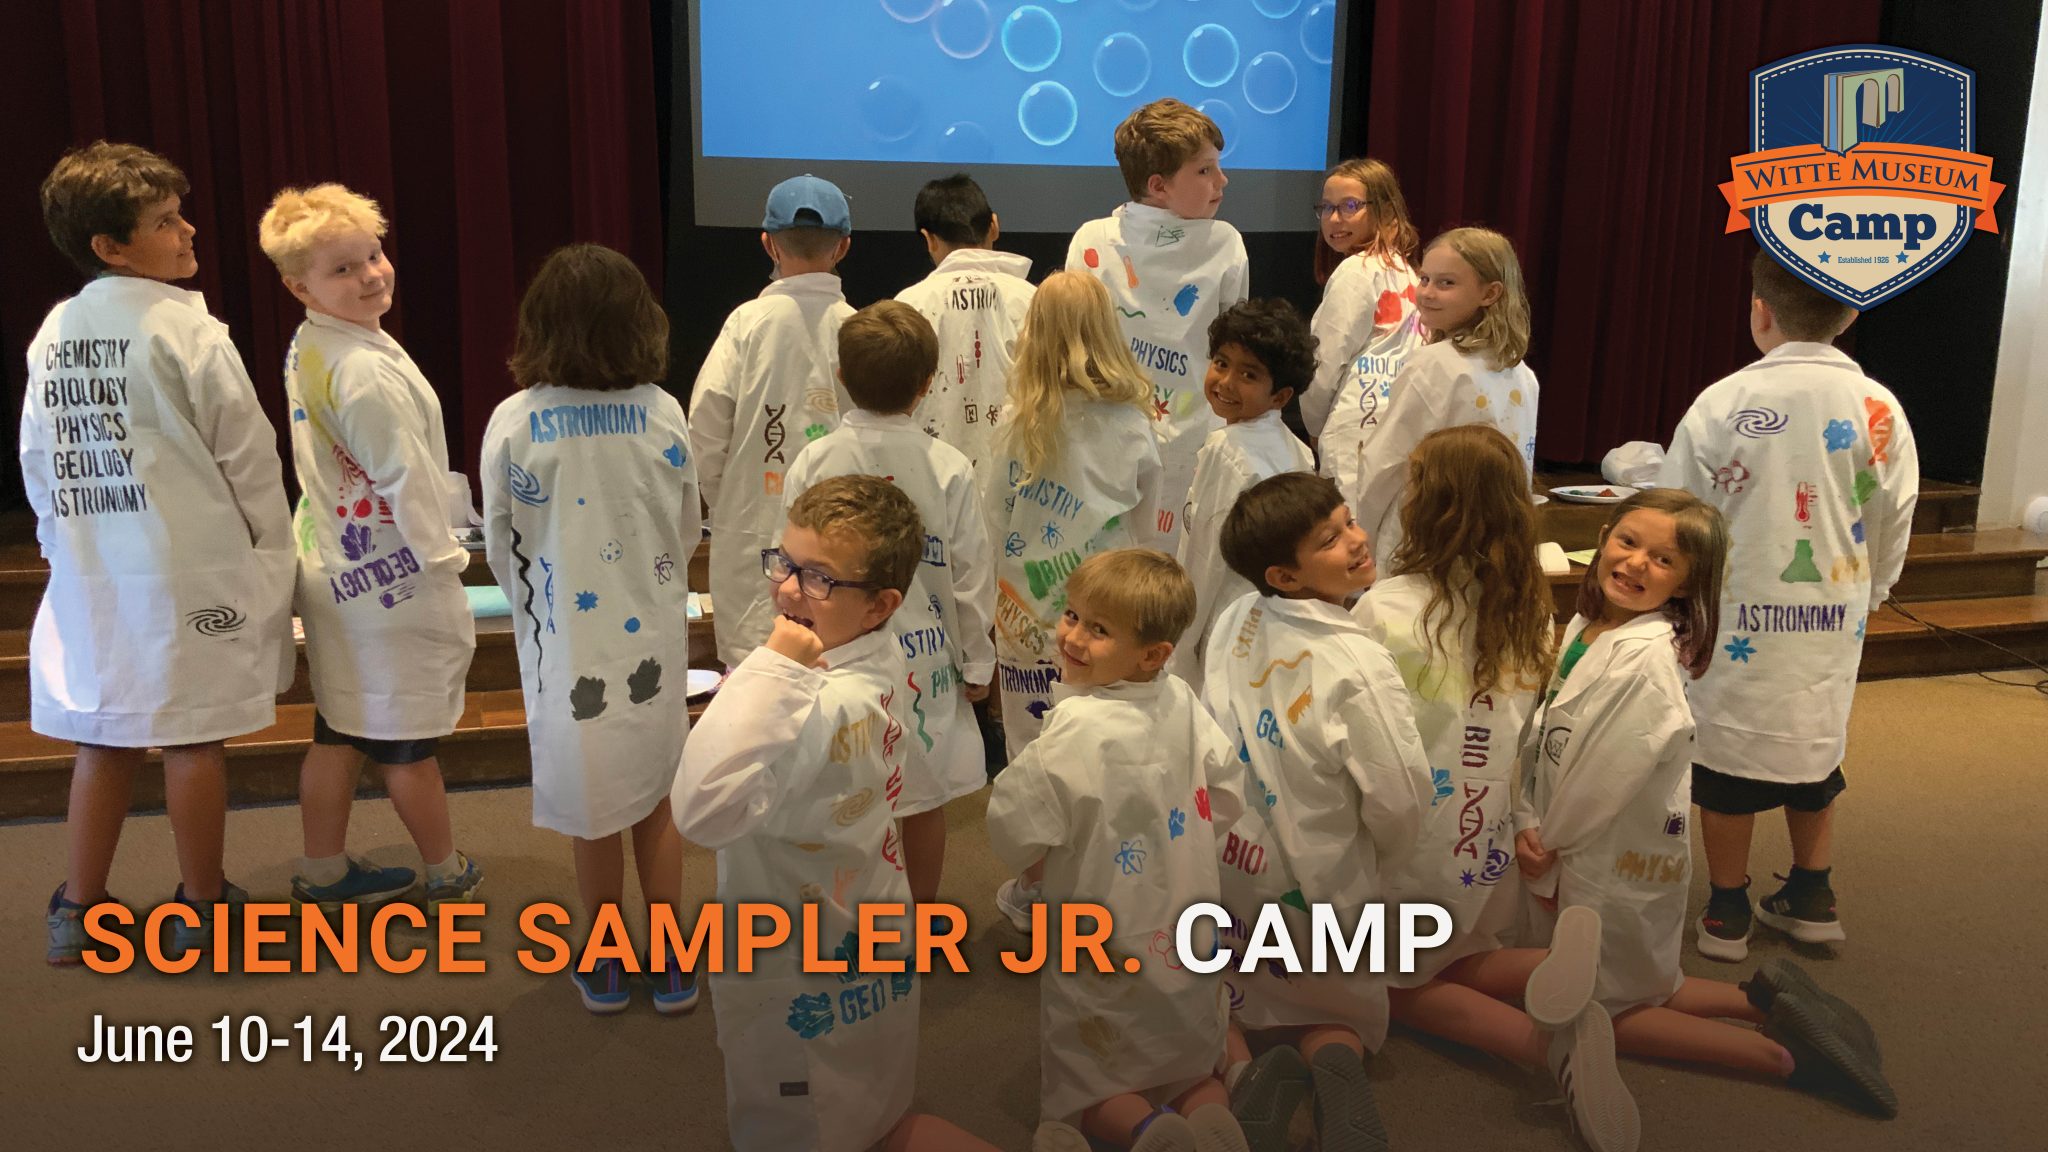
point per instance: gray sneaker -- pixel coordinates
(457, 889)
(185, 937)
(67, 930)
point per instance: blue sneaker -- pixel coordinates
(675, 991)
(458, 889)
(67, 929)
(365, 883)
(185, 937)
(603, 988)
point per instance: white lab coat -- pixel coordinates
(1438, 387)
(1606, 783)
(1465, 859)
(769, 386)
(1102, 492)
(1813, 465)
(975, 300)
(1234, 458)
(791, 776)
(1339, 782)
(1168, 277)
(590, 517)
(1122, 797)
(388, 628)
(942, 629)
(1365, 330)
(160, 507)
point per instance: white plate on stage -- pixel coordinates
(701, 681)
(1593, 493)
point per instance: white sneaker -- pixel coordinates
(1216, 1130)
(1582, 1059)
(1016, 902)
(1168, 1132)
(1562, 985)
(1053, 1136)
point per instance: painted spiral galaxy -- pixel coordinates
(1757, 423)
(525, 485)
(219, 620)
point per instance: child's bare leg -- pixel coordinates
(327, 791)
(1502, 973)
(196, 793)
(1813, 837)
(1465, 1015)
(1659, 1033)
(924, 850)
(102, 788)
(658, 858)
(921, 1133)
(422, 803)
(1210, 1091)
(1115, 1120)
(600, 871)
(1714, 1000)
(1035, 875)
(1727, 841)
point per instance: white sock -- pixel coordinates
(447, 869)
(1233, 1074)
(320, 871)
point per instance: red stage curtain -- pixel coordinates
(490, 133)
(1593, 135)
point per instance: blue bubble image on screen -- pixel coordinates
(966, 82)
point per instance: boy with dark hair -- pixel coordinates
(886, 358)
(975, 299)
(1171, 267)
(160, 506)
(1260, 356)
(1813, 465)
(1339, 780)
(768, 386)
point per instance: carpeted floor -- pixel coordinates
(1938, 833)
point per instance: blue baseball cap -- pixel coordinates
(807, 193)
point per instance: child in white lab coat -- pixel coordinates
(166, 621)
(1260, 355)
(1170, 267)
(887, 354)
(1119, 800)
(1077, 473)
(1366, 326)
(1340, 782)
(1600, 819)
(1802, 431)
(975, 298)
(388, 628)
(590, 499)
(1469, 299)
(791, 776)
(768, 387)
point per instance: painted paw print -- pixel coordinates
(645, 682)
(1176, 823)
(586, 700)
(1388, 313)
(675, 455)
(1037, 708)
(810, 1015)
(1841, 435)
(1202, 803)
(1184, 300)
(355, 541)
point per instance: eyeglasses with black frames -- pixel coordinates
(814, 584)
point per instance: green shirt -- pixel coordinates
(1572, 652)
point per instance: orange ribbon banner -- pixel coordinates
(1915, 171)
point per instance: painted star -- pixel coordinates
(585, 601)
(1903, 257)
(1739, 648)
(1823, 257)
(1467, 878)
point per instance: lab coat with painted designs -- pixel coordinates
(160, 506)
(1122, 797)
(942, 629)
(791, 777)
(1338, 785)
(1365, 330)
(388, 628)
(1813, 465)
(1168, 277)
(1606, 784)
(590, 517)
(976, 300)
(769, 386)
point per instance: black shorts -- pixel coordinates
(392, 752)
(1741, 796)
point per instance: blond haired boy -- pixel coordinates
(161, 509)
(1170, 267)
(388, 628)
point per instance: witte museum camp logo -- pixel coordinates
(1862, 179)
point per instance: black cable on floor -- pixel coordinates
(1942, 634)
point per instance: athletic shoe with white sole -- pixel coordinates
(1274, 1101)
(1216, 1130)
(1582, 1059)
(1805, 912)
(1723, 927)
(363, 883)
(1562, 985)
(1824, 1059)
(1777, 976)
(1166, 1132)
(1053, 1136)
